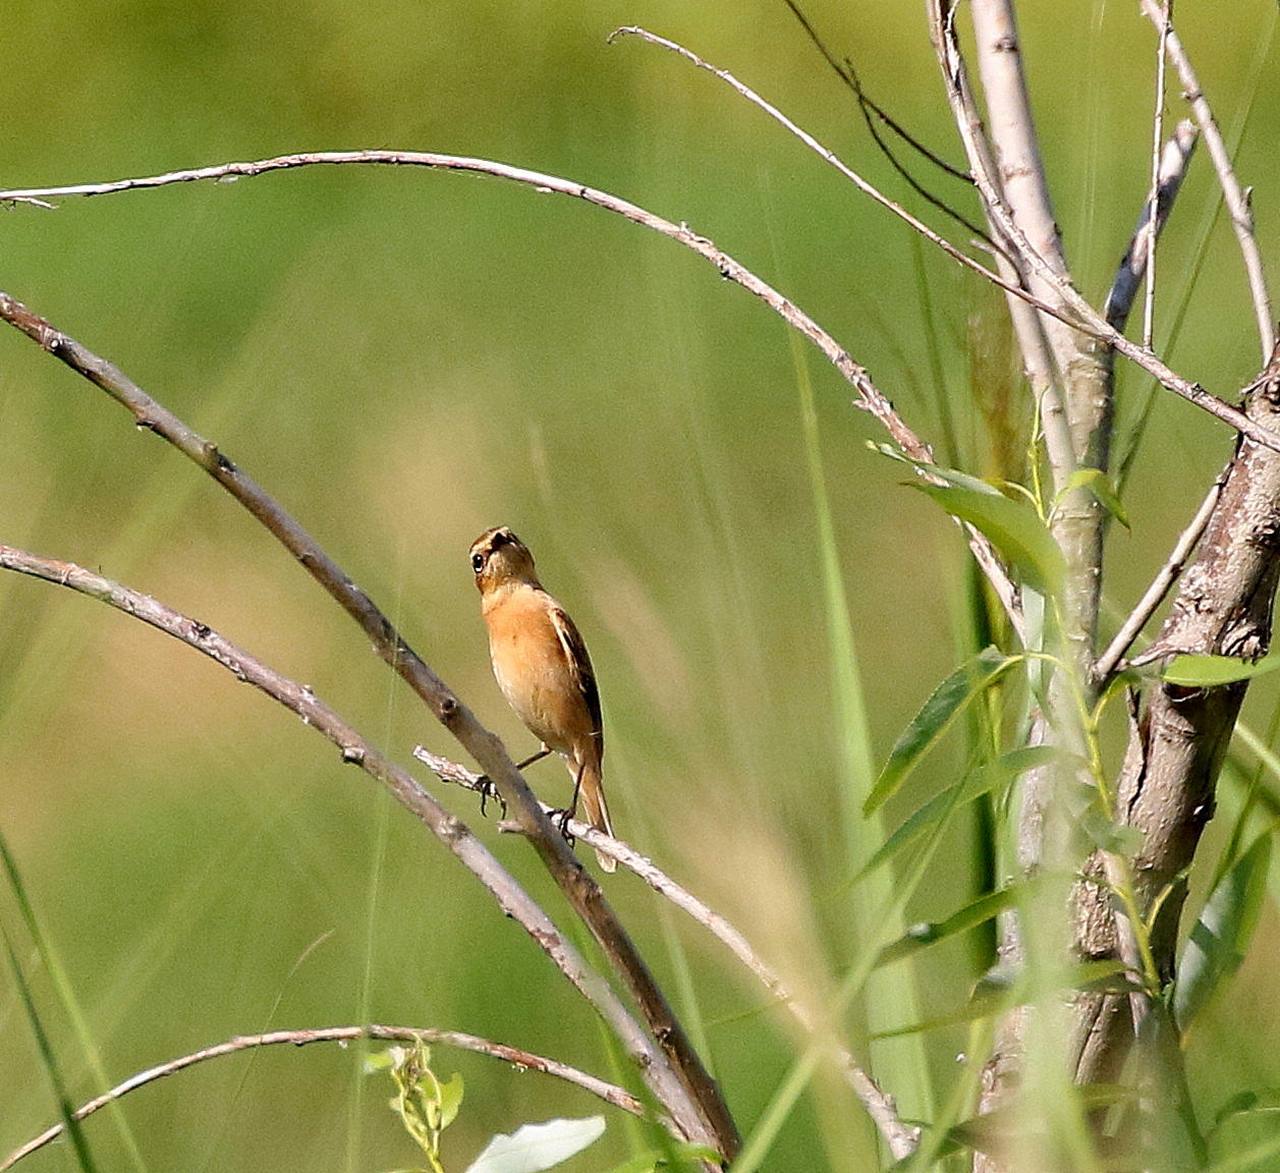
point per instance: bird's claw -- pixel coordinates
(488, 791)
(561, 818)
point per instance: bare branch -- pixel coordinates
(450, 830)
(901, 1138)
(1133, 266)
(1157, 139)
(1237, 200)
(576, 882)
(1154, 595)
(1077, 313)
(524, 1060)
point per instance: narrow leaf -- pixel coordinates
(534, 1147)
(1015, 529)
(935, 717)
(1221, 936)
(928, 933)
(1212, 671)
(976, 783)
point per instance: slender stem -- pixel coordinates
(1164, 579)
(575, 881)
(1236, 198)
(1157, 140)
(1133, 266)
(901, 1138)
(356, 750)
(524, 1060)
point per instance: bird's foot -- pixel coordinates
(489, 793)
(561, 818)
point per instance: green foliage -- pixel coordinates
(944, 705)
(425, 1104)
(1215, 671)
(1222, 933)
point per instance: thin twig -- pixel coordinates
(1087, 320)
(1154, 595)
(1077, 313)
(1133, 265)
(356, 750)
(576, 882)
(525, 1060)
(871, 112)
(901, 1138)
(870, 398)
(1157, 141)
(1237, 200)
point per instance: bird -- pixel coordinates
(541, 664)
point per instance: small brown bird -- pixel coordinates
(542, 667)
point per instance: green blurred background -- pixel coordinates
(405, 358)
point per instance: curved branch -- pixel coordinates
(870, 398)
(901, 1138)
(451, 831)
(574, 880)
(525, 1060)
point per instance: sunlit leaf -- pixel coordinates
(1221, 936)
(533, 1147)
(1015, 529)
(1214, 671)
(450, 1099)
(935, 717)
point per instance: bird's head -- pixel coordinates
(499, 557)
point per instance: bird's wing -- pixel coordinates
(580, 669)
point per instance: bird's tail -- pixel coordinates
(597, 810)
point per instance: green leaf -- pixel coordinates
(1213, 671)
(534, 1147)
(450, 1099)
(929, 933)
(1015, 529)
(976, 783)
(935, 717)
(1221, 936)
(1100, 485)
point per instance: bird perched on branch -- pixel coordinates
(542, 667)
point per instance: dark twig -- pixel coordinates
(451, 831)
(872, 112)
(901, 1138)
(524, 1060)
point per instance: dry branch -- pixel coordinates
(575, 881)
(451, 831)
(1235, 196)
(901, 1138)
(524, 1060)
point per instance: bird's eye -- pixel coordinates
(477, 562)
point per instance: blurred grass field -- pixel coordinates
(405, 358)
